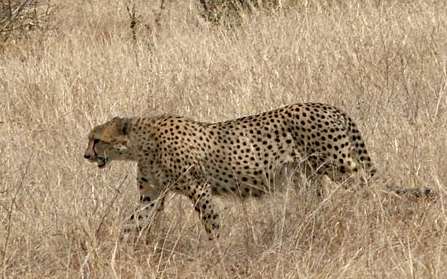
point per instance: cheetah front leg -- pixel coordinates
(151, 202)
(201, 196)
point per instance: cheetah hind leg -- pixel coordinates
(323, 177)
(305, 176)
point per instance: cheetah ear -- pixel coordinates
(122, 124)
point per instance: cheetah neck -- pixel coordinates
(141, 143)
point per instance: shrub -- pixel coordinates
(218, 10)
(20, 17)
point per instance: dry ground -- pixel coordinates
(384, 62)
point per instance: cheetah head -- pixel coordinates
(108, 141)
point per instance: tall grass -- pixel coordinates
(384, 62)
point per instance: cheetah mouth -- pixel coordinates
(101, 162)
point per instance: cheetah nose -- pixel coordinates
(87, 156)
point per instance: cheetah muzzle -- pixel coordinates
(101, 161)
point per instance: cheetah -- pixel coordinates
(240, 157)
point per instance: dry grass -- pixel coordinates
(384, 62)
